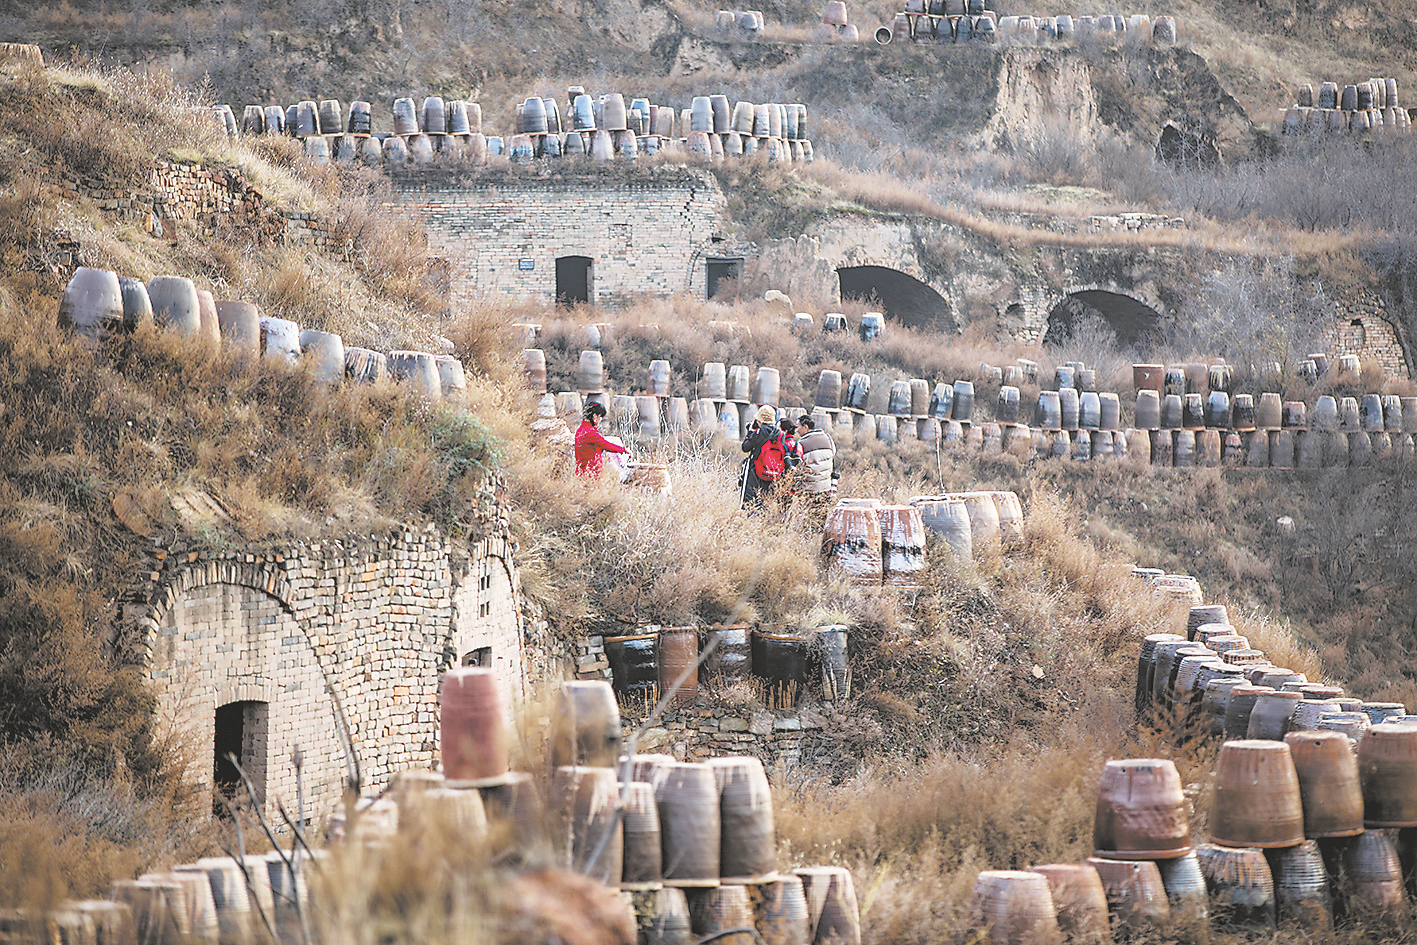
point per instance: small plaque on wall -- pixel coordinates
(526, 263)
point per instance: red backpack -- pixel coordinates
(771, 461)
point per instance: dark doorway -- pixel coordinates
(903, 298)
(1131, 321)
(721, 271)
(240, 732)
(482, 656)
(575, 280)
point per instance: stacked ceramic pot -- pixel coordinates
(97, 303)
(1186, 416)
(1366, 107)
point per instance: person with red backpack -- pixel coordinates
(767, 456)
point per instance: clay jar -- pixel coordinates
(1269, 719)
(1328, 783)
(1015, 907)
(1135, 892)
(747, 844)
(1141, 811)
(1257, 800)
(689, 825)
(1241, 887)
(1148, 410)
(474, 725)
(831, 902)
(586, 725)
(1079, 899)
(1387, 769)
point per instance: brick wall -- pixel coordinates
(1359, 328)
(308, 633)
(646, 237)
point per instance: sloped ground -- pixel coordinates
(991, 765)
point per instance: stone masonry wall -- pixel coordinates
(648, 237)
(320, 637)
(783, 740)
(205, 200)
(787, 741)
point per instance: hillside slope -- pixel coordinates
(378, 49)
(984, 713)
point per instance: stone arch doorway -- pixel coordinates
(237, 673)
(903, 297)
(1131, 319)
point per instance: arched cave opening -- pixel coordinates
(1131, 321)
(904, 298)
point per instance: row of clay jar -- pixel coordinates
(1297, 120)
(653, 417)
(237, 900)
(1374, 413)
(478, 149)
(98, 303)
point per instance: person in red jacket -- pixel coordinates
(591, 445)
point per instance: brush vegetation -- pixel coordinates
(982, 715)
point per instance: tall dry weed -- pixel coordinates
(66, 830)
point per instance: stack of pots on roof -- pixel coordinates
(98, 303)
(1185, 416)
(941, 21)
(601, 127)
(709, 129)
(1306, 783)
(440, 128)
(1366, 107)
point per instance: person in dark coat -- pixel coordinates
(763, 430)
(789, 442)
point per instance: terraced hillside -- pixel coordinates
(985, 707)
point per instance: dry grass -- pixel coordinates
(612, 557)
(66, 829)
(143, 416)
(983, 717)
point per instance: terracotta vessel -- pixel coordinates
(1328, 783)
(1141, 811)
(1387, 769)
(1241, 887)
(1135, 893)
(1080, 901)
(1257, 801)
(1014, 908)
